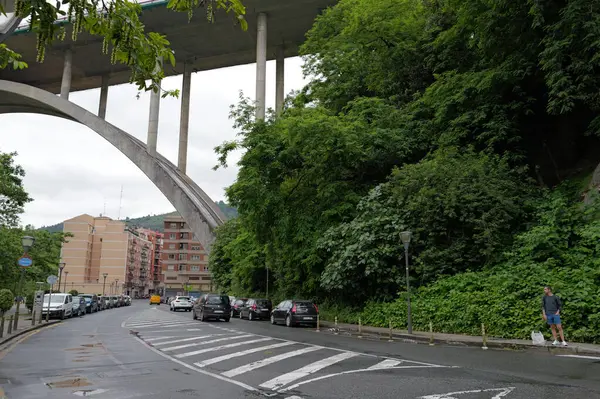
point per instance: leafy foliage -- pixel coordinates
(12, 195)
(7, 299)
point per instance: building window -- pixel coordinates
(184, 236)
(171, 246)
(195, 257)
(206, 278)
(181, 268)
(182, 256)
(171, 256)
(196, 248)
(205, 268)
(194, 278)
(195, 268)
(171, 278)
(172, 236)
(170, 267)
(173, 225)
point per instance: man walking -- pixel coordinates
(551, 313)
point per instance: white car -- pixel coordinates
(60, 305)
(181, 303)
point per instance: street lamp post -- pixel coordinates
(61, 266)
(104, 282)
(66, 275)
(117, 286)
(27, 243)
(405, 237)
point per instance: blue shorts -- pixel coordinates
(553, 319)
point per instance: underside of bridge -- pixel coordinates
(200, 212)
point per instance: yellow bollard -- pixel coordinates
(318, 324)
(336, 326)
(431, 334)
(359, 328)
(390, 340)
(484, 347)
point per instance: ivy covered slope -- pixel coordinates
(464, 122)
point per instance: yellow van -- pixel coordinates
(155, 300)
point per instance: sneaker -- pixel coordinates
(555, 342)
(564, 343)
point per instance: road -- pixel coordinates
(146, 351)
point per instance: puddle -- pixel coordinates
(72, 382)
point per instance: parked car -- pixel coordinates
(101, 302)
(91, 302)
(107, 302)
(115, 301)
(61, 305)
(127, 300)
(78, 306)
(212, 306)
(256, 308)
(237, 305)
(181, 303)
(295, 312)
(155, 300)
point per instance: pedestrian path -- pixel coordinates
(255, 362)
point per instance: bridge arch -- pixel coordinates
(196, 207)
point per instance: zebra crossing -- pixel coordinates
(256, 362)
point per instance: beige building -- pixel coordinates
(99, 245)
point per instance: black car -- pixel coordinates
(295, 312)
(258, 308)
(91, 302)
(237, 306)
(212, 306)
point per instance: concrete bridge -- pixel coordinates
(276, 28)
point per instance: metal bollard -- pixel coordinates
(431, 334)
(10, 324)
(336, 326)
(318, 324)
(41, 317)
(33, 318)
(390, 339)
(359, 327)
(2, 326)
(484, 347)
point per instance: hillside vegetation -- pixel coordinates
(470, 124)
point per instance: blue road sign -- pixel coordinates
(25, 261)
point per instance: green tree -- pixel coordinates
(7, 300)
(118, 24)
(12, 194)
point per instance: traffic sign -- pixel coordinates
(52, 279)
(25, 261)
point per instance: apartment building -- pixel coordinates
(184, 261)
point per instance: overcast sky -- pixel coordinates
(71, 170)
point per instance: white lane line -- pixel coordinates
(581, 357)
(162, 325)
(386, 364)
(145, 334)
(307, 370)
(156, 338)
(189, 366)
(218, 348)
(265, 362)
(172, 348)
(502, 392)
(242, 353)
(174, 341)
(291, 387)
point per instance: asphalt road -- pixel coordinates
(146, 351)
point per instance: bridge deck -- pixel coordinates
(205, 46)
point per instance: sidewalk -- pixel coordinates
(456, 339)
(23, 326)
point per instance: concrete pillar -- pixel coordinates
(103, 97)
(153, 122)
(279, 79)
(65, 85)
(184, 118)
(261, 65)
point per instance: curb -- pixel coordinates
(5, 340)
(491, 343)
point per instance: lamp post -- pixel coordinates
(104, 282)
(405, 237)
(117, 286)
(61, 266)
(27, 243)
(66, 275)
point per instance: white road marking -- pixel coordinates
(291, 387)
(269, 360)
(162, 325)
(157, 338)
(189, 366)
(502, 392)
(242, 353)
(174, 341)
(386, 364)
(218, 348)
(307, 370)
(581, 357)
(172, 348)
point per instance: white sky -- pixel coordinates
(71, 170)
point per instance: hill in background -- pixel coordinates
(153, 222)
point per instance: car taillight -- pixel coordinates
(294, 308)
(316, 307)
(254, 307)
